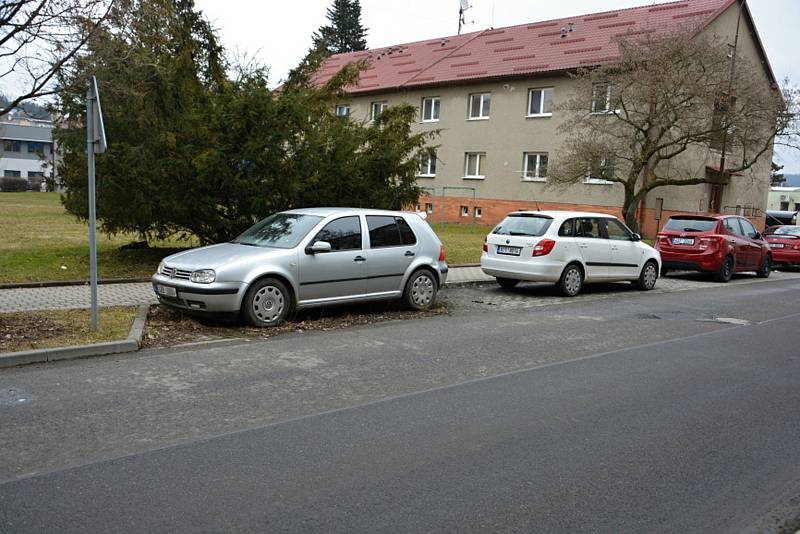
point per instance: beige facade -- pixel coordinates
(784, 199)
(509, 133)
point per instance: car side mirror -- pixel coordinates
(758, 236)
(319, 247)
(636, 237)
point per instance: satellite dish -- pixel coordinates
(464, 5)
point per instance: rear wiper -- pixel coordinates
(520, 233)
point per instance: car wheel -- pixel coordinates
(507, 283)
(766, 268)
(267, 303)
(648, 276)
(571, 281)
(420, 292)
(725, 272)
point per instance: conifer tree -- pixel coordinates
(344, 32)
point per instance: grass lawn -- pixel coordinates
(40, 241)
(62, 328)
(463, 243)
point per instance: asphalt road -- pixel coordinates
(619, 412)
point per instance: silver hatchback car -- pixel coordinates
(305, 258)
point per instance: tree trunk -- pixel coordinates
(629, 212)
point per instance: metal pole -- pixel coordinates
(90, 98)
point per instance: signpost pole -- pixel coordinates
(90, 140)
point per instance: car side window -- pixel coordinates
(567, 228)
(732, 224)
(383, 231)
(342, 234)
(617, 231)
(749, 230)
(587, 228)
(406, 233)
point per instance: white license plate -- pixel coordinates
(682, 241)
(776, 245)
(166, 291)
(509, 251)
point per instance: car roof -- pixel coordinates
(562, 214)
(326, 212)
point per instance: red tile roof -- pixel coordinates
(514, 51)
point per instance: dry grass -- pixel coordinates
(62, 328)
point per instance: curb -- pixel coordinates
(131, 344)
(30, 285)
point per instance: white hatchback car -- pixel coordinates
(568, 248)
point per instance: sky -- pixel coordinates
(277, 33)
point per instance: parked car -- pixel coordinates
(784, 242)
(305, 258)
(713, 243)
(568, 248)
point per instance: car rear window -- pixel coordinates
(523, 224)
(787, 230)
(688, 224)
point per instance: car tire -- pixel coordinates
(648, 276)
(571, 280)
(420, 291)
(725, 272)
(507, 283)
(267, 303)
(766, 267)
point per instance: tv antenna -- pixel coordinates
(463, 7)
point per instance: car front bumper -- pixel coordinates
(536, 270)
(218, 297)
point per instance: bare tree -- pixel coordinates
(39, 38)
(646, 120)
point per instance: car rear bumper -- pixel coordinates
(785, 256)
(533, 270)
(216, 298)
(711, 261)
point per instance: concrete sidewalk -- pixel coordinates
(134, 294)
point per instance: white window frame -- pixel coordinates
(478, 164)
(434, 111)
(345, 107)
(610, 88)
(429, 207)
(541, 112)
(430, 170)
(597, 181)
(465, 211)
(372, 106)
(483, 98)
(525, 169)
(478, 212)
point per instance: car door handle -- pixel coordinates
(359, 259)
(409, 253)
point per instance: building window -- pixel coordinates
(10, 173)
(427, 164)
(602, 169)
(12, 146)
(376, 109)
(428, 207)
(603, 96)
(475, 163)
(540, 102)
(465, 211)
(35, 148)
(479, 105)
(430, 109)
(535, 167)
(478, 212)
(35, 174)
(342, 110)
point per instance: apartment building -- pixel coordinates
(27, 149)
(493, 94)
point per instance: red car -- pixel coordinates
(717, 244)
(784, 241)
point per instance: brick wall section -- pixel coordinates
(448, 209)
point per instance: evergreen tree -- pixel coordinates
(344, 33)
(776, 176)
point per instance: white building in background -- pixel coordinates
(27, 150)
(784, 199)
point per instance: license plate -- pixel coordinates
(509, 251)
(683, 241)
(166, 291)
(776, 245)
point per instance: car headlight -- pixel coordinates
(160, 269)
(203, 276)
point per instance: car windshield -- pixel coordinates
(523, 224)
(787, 230)
(685, 224)
(282, 230)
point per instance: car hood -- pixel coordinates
(223, 254)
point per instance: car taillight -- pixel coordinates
(543, 247)
(706, 243)
(441, 253)
(486, 243)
